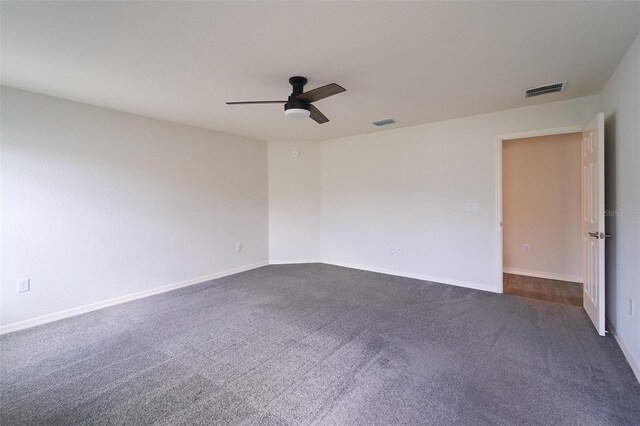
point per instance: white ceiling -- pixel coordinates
(417, 62)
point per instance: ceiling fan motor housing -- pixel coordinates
(295, 107)
(296, 104)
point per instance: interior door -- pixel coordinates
(593, 233)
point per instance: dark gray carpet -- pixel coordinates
(301, 344)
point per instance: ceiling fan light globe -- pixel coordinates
(297, 113)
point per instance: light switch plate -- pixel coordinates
(472, 207)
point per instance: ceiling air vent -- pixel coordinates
(543, 90)
(383, 122)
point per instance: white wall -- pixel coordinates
(408, 187)
(542, 206)
(98, 204)
(294, 202)
(620, 101)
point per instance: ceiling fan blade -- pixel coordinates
(321, 92)
(316, 115)
(256, 102)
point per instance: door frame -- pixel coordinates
(499, 141)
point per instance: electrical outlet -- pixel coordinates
(238, 247)
(527, 248)
(393, 249)
(24, 285)
(631, 307)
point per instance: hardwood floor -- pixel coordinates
(566, 292)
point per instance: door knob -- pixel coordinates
(594, 234)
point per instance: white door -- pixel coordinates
(593, 233)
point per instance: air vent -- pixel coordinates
(383, 122)
(543, 90)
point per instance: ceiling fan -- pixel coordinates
(299, 103)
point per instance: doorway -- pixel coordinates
(542, 217)
(592, 218)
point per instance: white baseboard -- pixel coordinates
(21, 325)
(32, 322)
(293, 261)
(475, 286)
(635, 366)
(546, 275)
